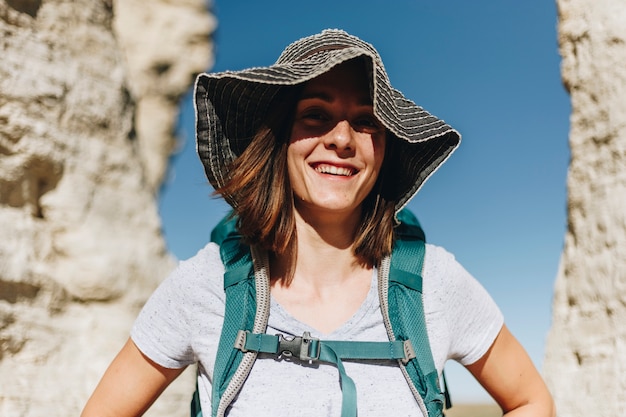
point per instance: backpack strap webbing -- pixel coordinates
(406, 309)
(238, 313)
(246, 308)
(308, 348)
(402, 296)
(311, 349)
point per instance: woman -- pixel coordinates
(317, 154)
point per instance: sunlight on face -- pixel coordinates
(337, 145)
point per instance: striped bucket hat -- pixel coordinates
(230, 107)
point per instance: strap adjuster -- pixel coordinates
(240, 340)
(303, 347)
(409, 352)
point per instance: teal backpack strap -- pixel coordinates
(227, 226)
(239, 313)
(311, 349)
(308, 348)
(406, 309)
(240, 310)
(403, 298)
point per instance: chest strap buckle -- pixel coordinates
(304, 347)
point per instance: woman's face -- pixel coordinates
(337, 146)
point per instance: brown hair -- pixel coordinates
(259, 184)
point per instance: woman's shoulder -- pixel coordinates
(443, 275)
(438, 260)
(204, 270)
(208, 256)
(182, 309)
(460, 314)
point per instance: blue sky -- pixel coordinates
(491, 70)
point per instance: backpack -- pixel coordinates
(247, 310)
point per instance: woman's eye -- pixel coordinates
(314, 117)
(369, 123)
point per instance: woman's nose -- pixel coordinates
(341, 136)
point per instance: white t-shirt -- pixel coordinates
(181, 324)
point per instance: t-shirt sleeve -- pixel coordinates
(165, 328)
(464, 317)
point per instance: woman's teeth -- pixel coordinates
(334, 170)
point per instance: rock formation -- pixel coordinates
(89, 92)
(585, 363)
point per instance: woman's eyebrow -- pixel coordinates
(315, 95)
(319, 95)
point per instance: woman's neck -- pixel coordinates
(325, 250)
(329, 282)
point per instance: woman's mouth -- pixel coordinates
(335, 170)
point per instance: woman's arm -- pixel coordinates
(130, 385)
(509, 376)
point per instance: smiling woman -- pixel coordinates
(337, 146)
(318, 156)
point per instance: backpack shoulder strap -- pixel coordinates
(227, 226)
(403, 298)
(241, 276)
(406, 309)
(239, 312)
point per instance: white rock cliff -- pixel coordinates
(89, 92)
(585, 364)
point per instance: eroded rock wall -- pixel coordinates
(89, 91)
(585, 362)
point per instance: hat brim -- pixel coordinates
(231, 106)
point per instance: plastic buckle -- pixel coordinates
(409, 352)
(240, 340)
(299, 347)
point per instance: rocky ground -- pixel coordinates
(474, 410)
